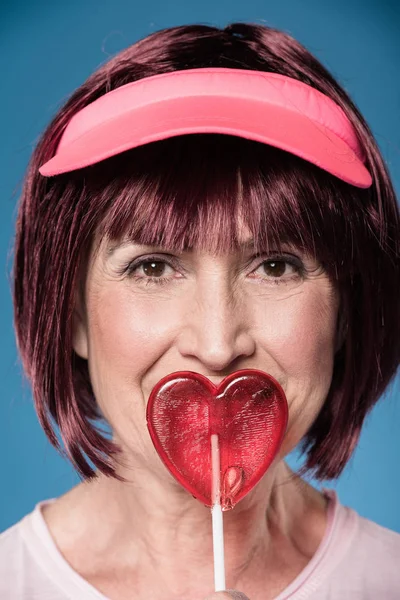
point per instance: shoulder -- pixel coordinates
(21, 574)
(371, 563)
(373, 540)
(10, 544)
(11, 561)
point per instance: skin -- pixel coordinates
(215, 314)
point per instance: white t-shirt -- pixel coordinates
(356, 560)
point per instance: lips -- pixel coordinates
(247, 411)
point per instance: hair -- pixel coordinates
(187, 191)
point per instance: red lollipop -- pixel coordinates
(217, 441)
(244, 418)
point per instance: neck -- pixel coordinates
(163, 537)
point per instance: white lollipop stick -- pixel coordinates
(217, 520)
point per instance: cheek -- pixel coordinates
(297, 328)
(303, 336)
(302, 343)
(128, 334)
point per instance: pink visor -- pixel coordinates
(265, 107)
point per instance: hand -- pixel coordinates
(227, 595)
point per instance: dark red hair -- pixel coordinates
(187, 191)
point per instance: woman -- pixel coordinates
(209, 253)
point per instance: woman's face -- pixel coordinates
(150, 311)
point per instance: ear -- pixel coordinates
(79, 328)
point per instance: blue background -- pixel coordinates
(47, 49)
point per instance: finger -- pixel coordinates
(228, 595)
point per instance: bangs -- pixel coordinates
(201, 191)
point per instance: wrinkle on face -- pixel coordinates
(137, 335)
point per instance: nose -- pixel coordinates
(216, 330)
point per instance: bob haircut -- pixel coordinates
(188, 191)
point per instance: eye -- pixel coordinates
(279, 269)
(153, 268)
(150, 270)
(275, 268)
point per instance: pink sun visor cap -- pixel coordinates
(265, 107)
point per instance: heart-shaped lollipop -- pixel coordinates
(247, 415)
